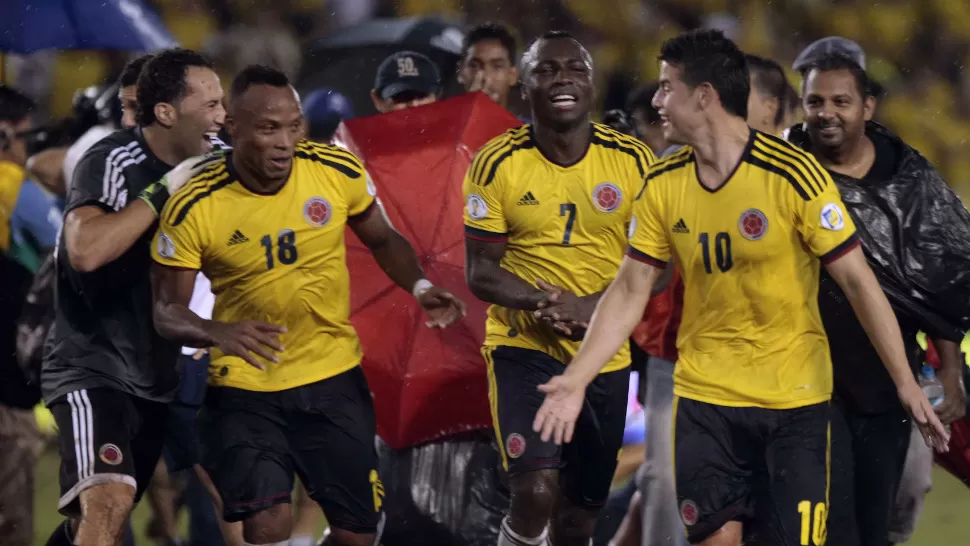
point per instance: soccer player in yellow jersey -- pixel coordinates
(548, 207)
(749, 219)
(266, 225)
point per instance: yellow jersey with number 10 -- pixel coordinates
(749, 252)
(276, 258)
(564, 224)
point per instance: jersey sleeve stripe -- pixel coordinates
(344, 169)
(364, 214)
(645, 258)
(484, 235)
(488, 165)
(799, 168)
(765, 162)
(184, 211)
(195, 184)
(482, 157)
(336, 153)
(841, 250)
(610, 143)
(796, 157)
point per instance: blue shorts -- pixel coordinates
(181, 449)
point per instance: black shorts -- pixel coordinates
(766, 468)
(253, 442)
(106, 436)
(589, 461)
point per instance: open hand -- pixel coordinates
(556, 418)
(441, 306)
(246, 339)
(930, 426)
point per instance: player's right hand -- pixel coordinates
(556, 418)
(246, 339)
(930, 426)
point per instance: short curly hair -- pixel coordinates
(162, 80)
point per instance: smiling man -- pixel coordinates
(548, 206)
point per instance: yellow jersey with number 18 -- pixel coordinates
(276, 258)
(564, 224)
(749, 252)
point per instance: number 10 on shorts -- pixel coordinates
(813, 523)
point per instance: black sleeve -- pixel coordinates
(95, 184)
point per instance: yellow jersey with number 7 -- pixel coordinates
(749, 252)
(276, 258)
(564, 224)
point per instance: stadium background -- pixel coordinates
(922, 68)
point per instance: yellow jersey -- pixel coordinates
(276, 258)
(749, 252)
(12, 177)
(564, 224)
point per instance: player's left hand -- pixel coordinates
(954, 405)
(563, 306)
(442, 307)
(556, 418)
(930, 426)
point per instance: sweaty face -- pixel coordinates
(835, 111)
(559, 83)
(488, 68)
(265, 125)
(679, 110)
(199, 113)
(129, 105)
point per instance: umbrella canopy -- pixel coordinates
(426, 383)
(347, 60)
(27, 26)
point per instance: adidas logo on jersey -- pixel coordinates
(528, 199)
(237, 238)
(680, 227)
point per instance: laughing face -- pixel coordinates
(559, 82)
(835, 110)
(200, 111)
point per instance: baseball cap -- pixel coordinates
(827, 45)
(407, 71)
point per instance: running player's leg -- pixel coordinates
(797, 457)
(532, 465)
(332, 432)
(98, 468)
(245, 452)
(308, 518)
(231, 531)
(714, 452)
(590, 459)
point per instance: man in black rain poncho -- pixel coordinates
(916, 235)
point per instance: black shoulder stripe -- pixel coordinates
(484, 172)
(194, 185)
(524, 145)
(184, 211)
(664, 167)
(612, 143)
(762, 164)
(344, 169)
(336, 152)
(805, 179)
(802, 156)
(491, 149)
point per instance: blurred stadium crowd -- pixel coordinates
(927, 92)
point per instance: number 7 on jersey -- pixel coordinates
(569, 211)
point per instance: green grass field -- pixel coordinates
(945, 520)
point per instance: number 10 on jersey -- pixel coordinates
(722, 251)
(285, 248)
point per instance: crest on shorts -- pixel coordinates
(607, 197)
(110, 454)
(753, 224)
(515, 445)
(317, 212)
(688, 512)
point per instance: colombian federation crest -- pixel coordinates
(688, 512)
(515, 445)
(111, 454)
(317, 212)
(753, 224)
(607, 197)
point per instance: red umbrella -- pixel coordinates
(426, 383)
